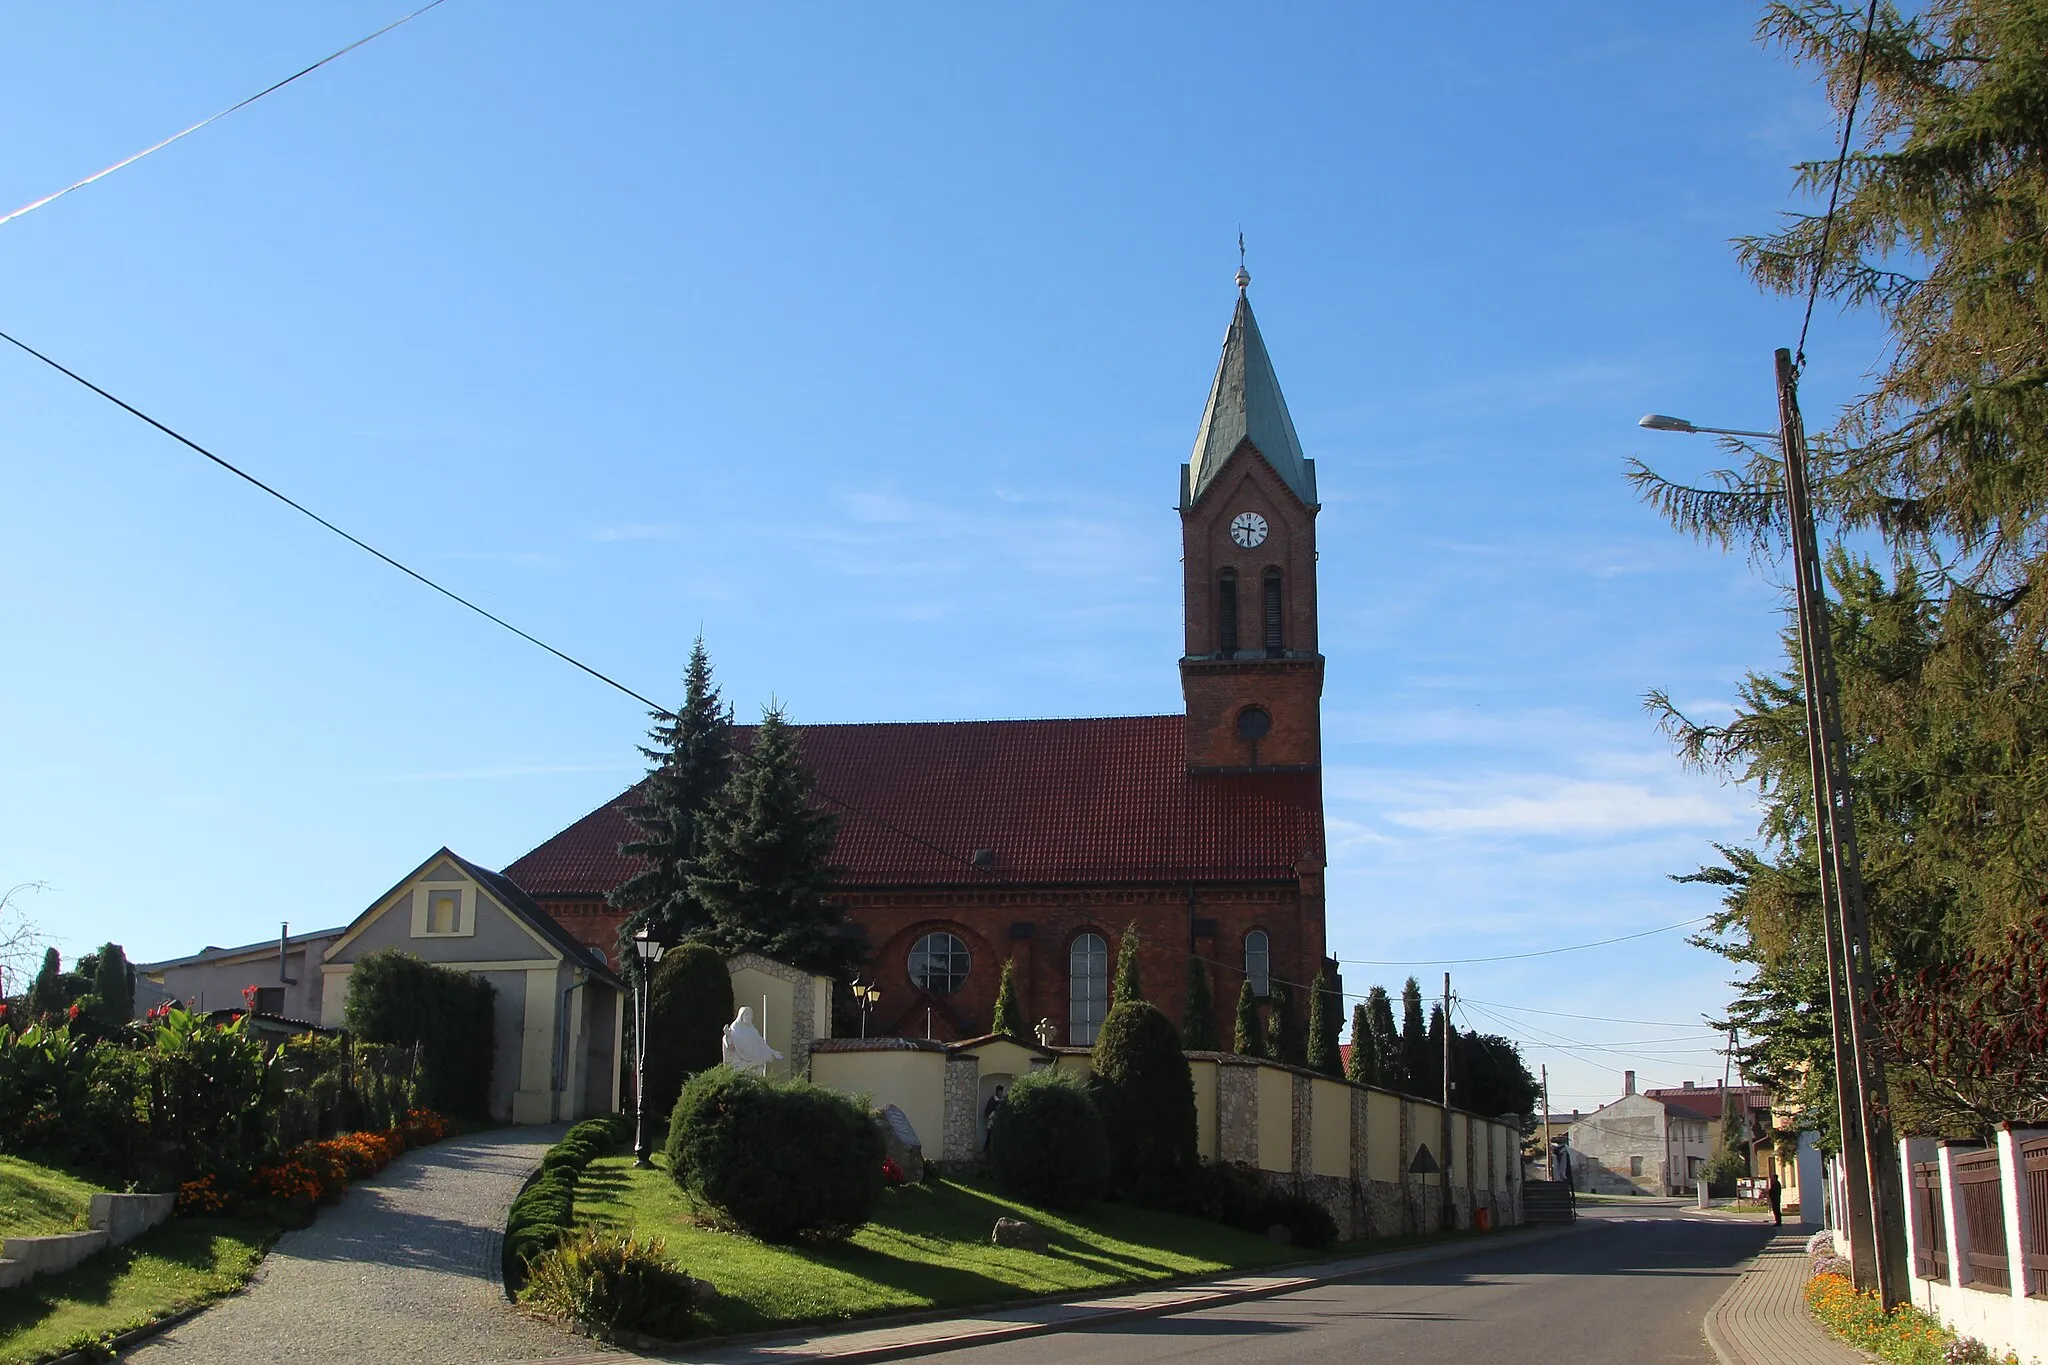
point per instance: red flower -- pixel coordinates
(891, 1172)
(72, 1013)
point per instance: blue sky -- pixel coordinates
(867, 341)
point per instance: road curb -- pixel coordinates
(1195, 1301)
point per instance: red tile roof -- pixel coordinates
(1055, 801)
(1704, 1101)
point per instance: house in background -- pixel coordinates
(560, 1010)
(285, 972)
(1657, 1141)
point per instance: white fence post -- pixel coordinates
(1951, 1214)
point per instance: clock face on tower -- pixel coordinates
(1248, 529)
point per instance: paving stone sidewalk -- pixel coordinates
(932, 1333)
(1762, 1319)
(405, 1268)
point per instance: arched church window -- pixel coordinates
(1226, 613)
(1272, 604)
(1258, 962)
(938, 963)
(1087, 988)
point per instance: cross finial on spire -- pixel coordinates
(1244, 277)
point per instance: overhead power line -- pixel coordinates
(1827, 224)
(311, 515)
(215, 118)
(1594, 1018)
(1511, 957)
(965, 860)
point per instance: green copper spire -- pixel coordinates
(1245, 404)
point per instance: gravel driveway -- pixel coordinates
(405, 1268)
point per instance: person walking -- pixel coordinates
(1776, 1194)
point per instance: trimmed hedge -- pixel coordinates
(779, 1160)
(1047, 1145)
(395, 997)
(1146, 1094)
(545, 1210)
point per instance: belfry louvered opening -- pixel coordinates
(1272, 604)
(1226, 612)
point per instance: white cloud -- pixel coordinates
(1567, 807)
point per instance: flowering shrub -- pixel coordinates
(201, 1196)
(423, 1126)
(891, 1172)
(1904, 1336)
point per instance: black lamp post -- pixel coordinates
(648, 949)
(865, 995)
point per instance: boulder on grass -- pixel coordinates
(1015, 1232)
(899, 1142)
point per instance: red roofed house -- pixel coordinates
(963, 843)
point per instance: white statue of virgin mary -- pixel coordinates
(745, 1048)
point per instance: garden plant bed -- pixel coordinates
(927, 1248)
(37, 1201)
(181, 1265)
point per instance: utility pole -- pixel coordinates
(1869, 1155)
(1548, 1173)
(1450, 1207)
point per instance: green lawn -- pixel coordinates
(187, 1261)
(36, 1201)
(927, 1248)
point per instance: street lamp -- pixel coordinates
(1657, 421)
(865, 994)
(648, 949)
(1878, 1239)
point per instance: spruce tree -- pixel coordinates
(1324, 1053)
(1364, 1063)
(1009, 1013)
(1386, 1043)
(1942, 458)
(1198, 1020)
(1415, 1072)
(1125, 986)
(691, 754)
(1250, 1039)
(1290, 1044)
(765, 874)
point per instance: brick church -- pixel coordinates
(963, 843)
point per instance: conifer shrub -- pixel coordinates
(777, 1159)
(395, 997)
(1047, 1144)
(613, 1283)
(689, 1003)
(1146, 1094)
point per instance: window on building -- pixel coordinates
(1254, 723)
(269, 1000)
(1226, 612)
(444, 911)
(1258, 962)
(938, 963)
(1087, 988)
(1272, 604)
(1635, 1165)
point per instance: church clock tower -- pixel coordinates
(1251, 674)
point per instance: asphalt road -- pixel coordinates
(1629, 1287)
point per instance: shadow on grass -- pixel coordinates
(164, 1270)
